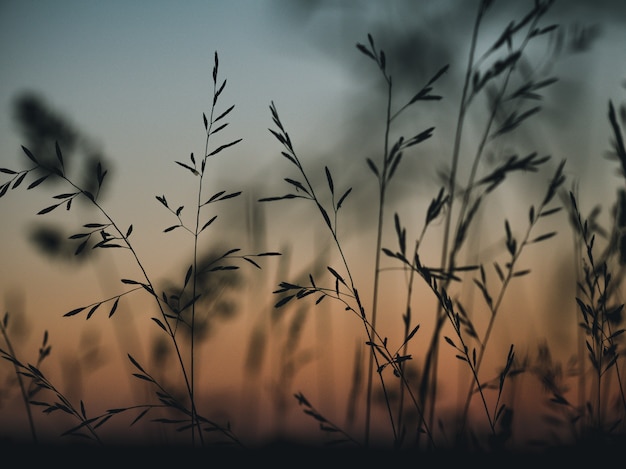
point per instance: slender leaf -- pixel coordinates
(222, 147)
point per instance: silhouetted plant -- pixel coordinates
(21, 371)
(108, 234)
(489, 74)
(384, 172)
(602, 314)
(187, 307)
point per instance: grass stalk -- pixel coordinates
(11, 356)
(469, 205)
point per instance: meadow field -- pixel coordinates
(431, 272)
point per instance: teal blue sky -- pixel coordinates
(129, 73)
(134, 77)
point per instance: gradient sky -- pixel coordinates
(134, 78)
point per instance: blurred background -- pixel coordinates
(125, 83)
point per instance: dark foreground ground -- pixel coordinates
(289, 455)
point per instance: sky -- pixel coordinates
(134, 77)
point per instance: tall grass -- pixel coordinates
(488, 411)
(494, 75)
(175, 316)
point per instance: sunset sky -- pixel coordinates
(133, 78)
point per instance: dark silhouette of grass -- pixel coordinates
(174, 315)
(419, 432)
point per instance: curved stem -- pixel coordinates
(379, 235)
(20, 381)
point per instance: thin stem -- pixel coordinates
(379, 235)
(429, 377)
(20, 381)
(149, 283)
